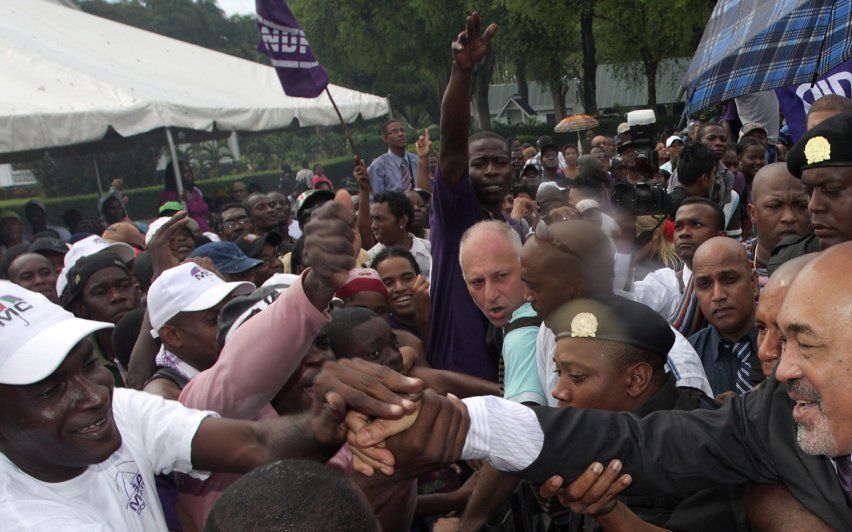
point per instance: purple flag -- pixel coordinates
(795, 100)
(285, 44)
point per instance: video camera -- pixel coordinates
(642, 198)
(646, 197)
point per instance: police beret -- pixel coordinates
(827, 144)
(616, 319)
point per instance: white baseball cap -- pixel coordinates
(89, 246)
(160, 222)
(37, 334)
(188, 288)
(671, 140)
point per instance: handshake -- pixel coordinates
(391, 423)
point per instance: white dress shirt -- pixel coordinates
(505, 433)
(661, 290)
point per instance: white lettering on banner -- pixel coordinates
(834, 84)
(288, 42)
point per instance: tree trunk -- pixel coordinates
(479, 92)
(651, 77)
(557, 92)
(521, 78)
(590, 61)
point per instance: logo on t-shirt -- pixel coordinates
(12, 307)
(132, 484)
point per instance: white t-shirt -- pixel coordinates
(119, 493)
(420, 248)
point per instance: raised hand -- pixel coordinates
(422, 303)
(162, 257)
(595, 492)
(521, 207)
(329, 238)
(471, 45)
(423, 145)
(362, 177)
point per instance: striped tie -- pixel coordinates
(405, 174)
(844, 471)
(742, 350)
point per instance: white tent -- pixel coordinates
(70, 79)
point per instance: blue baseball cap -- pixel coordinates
(226, 256)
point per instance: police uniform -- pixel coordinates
(752, 438)
(621, 320)
(828, 144)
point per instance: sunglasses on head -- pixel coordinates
(542, 233)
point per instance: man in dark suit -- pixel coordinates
(726, 287)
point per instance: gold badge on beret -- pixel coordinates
(584, 325)
(817, 150)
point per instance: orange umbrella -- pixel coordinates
(576, 123)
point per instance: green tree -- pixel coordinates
(644, 32)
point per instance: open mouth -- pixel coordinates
(403, 300)
(723, 311)
(96, 430)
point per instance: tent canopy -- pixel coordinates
(81, 83)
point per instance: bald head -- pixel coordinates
(719, 249)
(785, 274)
(725, 286)
(766, 317)
(576, 260)
(778, 207)
(489, 233)
(773, 177)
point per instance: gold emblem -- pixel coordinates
(817, 150)
(584, 325)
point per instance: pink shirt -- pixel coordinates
(196, 207)
(253, 367)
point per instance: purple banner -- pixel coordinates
(285, 44)
(795, 100)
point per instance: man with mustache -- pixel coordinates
(726, 288)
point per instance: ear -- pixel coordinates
(751, 210)
(403, 221)
(171, 336)
(755, 283)
(640, 378)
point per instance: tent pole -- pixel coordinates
(175, 166)
(97, 175)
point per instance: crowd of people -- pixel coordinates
(474, 336)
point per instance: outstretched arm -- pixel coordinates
(468, 49)
(365, 193)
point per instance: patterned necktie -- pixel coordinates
(405, 174)
(742, 350)
(844, 471)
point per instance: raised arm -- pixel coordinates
(468, 49)
(365, 193)
(255, 364)
(424, 148)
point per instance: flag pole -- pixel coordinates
(342, 122)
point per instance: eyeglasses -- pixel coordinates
(542, 232)
(231, 224)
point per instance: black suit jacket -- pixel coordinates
(752, 438)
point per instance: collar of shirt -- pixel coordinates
(418, 246)
(396, 158)
(664, 398)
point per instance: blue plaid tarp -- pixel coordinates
(754, 45)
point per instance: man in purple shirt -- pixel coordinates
(472, 179)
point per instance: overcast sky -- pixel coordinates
(237, 7)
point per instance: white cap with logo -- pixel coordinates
(158, 224)
(89, 246)
(37, 335)
(188, 288)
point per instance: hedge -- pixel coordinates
(144, 200)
